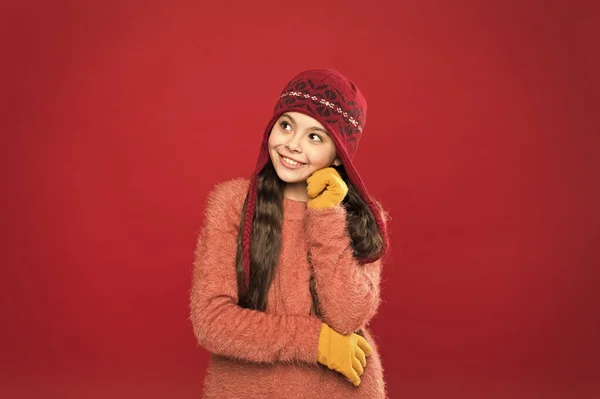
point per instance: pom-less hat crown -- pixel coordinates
(337, 103)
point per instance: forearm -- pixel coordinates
(348, 291)
(226, 329)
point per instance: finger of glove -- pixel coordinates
(315, 186)
(353, 376)
(320, 179)
(357, 366)
(337, 186)
(364, 345)
(360, 355)
(335, 191)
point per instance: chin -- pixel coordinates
(290, 178)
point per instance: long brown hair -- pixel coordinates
(266, 237)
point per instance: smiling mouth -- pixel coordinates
(290, 161)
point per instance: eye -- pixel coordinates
(315, 137)
(285, 125)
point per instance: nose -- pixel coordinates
(293, 143)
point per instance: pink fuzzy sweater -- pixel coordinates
(273, 354)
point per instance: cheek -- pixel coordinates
(322, 158)
(273, 140)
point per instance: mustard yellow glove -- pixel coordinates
(326, 189)
(343, 353)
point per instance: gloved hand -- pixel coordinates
(343, 353)
(326, 189)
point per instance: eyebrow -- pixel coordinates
(312, 128)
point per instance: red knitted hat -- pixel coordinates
(337, 103)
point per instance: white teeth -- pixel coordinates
(287, 160)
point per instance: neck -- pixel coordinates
(296, 191)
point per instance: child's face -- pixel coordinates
(303, 139)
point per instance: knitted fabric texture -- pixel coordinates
(337, 103)
(273, 354)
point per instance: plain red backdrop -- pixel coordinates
(482, 140)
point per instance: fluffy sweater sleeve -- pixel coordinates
(348, 291)
(220, 325)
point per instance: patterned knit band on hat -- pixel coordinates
(337, 103)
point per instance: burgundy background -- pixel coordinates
(482, 140)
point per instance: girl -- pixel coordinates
(287, 267)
